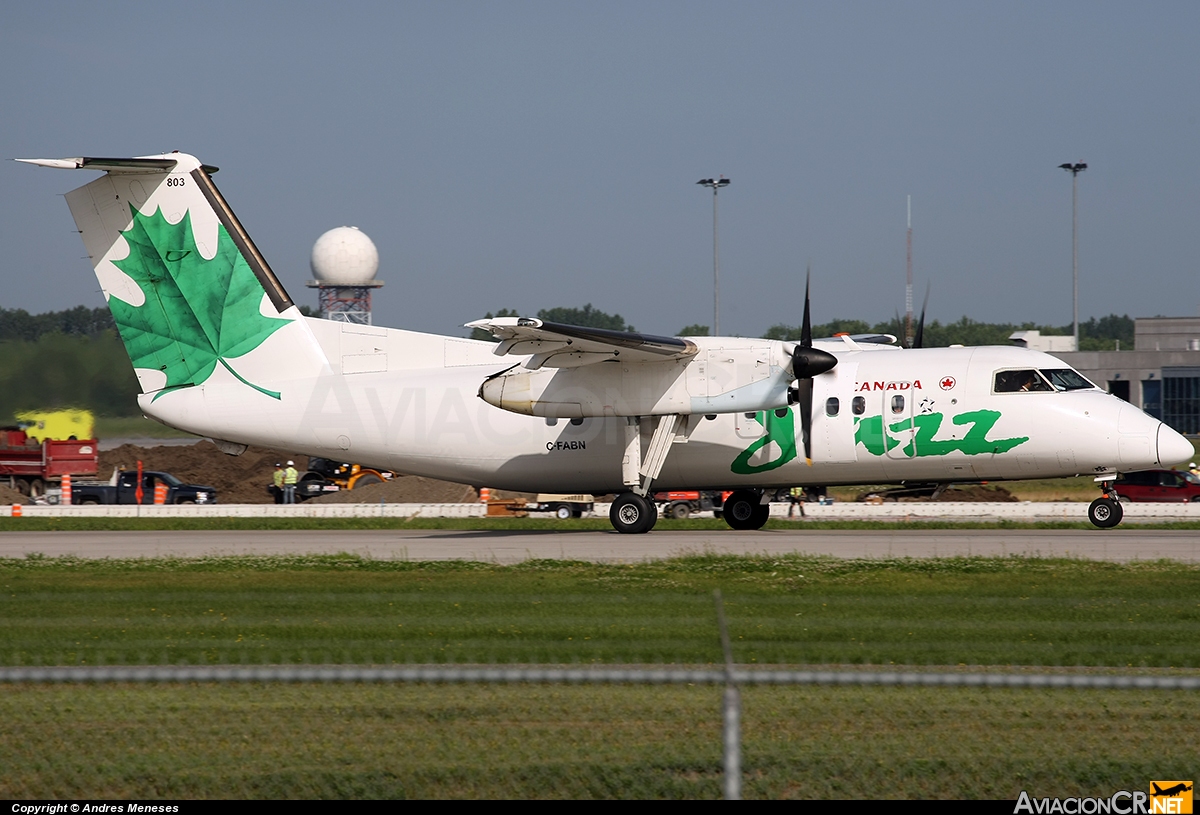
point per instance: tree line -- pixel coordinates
(1101, 334)
(74, 358)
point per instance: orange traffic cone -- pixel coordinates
(16, 510)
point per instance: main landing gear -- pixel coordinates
(744, 509)
(633, 514)
(1106, 511)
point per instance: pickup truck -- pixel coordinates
(123, 490)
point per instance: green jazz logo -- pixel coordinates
(919, 431)
(782, 431)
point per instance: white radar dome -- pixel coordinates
(345, 257)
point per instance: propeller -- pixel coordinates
(919, 337)
(808, 362)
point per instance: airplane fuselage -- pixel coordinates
(410, 402)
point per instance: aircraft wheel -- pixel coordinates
(742, 510)
(632, 514)
(562, 511)
(1105, 513)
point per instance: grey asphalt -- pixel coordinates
(606, 547)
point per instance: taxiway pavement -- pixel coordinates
(1124, 544)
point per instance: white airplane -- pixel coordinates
(220, 350)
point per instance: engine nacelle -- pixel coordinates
(722, 377)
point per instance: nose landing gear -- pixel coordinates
(1106, 511)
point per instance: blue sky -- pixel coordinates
(528, 155)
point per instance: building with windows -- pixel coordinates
(1161, 375)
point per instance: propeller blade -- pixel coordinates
(806, 325)
(808, 362)
(919, 338)
(805, 387)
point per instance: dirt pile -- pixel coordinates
(977, 493)
(9, 496)
(244, 479)
(404, 489)
(924, 494)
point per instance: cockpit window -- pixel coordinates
(1021, 381)
(1064, 379)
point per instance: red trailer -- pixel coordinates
(29, 466)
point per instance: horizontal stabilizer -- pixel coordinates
(145, 164)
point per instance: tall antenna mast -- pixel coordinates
(908, 327)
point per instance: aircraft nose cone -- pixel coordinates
(1173, 448)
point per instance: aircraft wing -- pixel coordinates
(555, 345)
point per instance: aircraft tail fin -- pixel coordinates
(189, 291)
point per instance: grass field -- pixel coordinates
(136, 427)
(417, 741)
(789, 609)
(453, 741)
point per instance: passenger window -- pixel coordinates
(858, 405)
(1020, 381)
(897, 404)
(832, 405)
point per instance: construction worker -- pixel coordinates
(796, 499)
(290, 477)
(278, 479)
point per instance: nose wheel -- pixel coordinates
(1106, 511)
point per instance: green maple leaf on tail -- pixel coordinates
(197, 312)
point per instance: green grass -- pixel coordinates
(788, 609)
(136, 427)
(532, 741)
(439, 741)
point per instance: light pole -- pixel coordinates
(716, 184)
(1074, 170)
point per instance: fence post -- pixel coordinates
(731, 710)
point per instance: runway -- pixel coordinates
(1121, 545)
